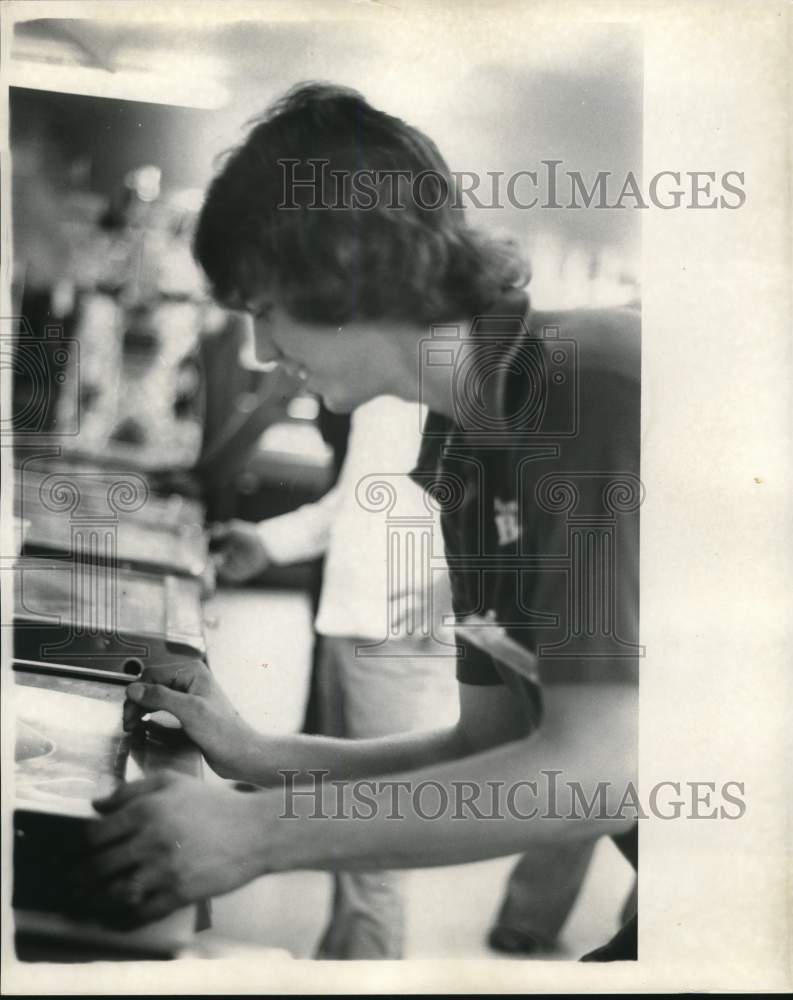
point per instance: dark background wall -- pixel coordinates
(110, 137)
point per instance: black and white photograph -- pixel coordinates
(396, 488)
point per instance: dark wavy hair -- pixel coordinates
(397, 258)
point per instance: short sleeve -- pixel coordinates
(474, 666)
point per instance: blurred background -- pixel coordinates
(115, 128)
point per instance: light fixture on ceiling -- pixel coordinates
(123, 84)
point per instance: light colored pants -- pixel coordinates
(363, 697)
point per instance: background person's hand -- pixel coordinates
(190, 692)
(414, 603)
(237, 551)
(165, 842)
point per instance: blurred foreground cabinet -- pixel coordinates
(70, 748)
(107, 516)
(101, 618)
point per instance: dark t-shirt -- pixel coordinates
(538, 480)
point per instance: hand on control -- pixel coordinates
(237, 550)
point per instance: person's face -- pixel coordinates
(339, 364)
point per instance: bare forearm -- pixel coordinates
(488, 717)
(343, 759)
(429, 816)
(332, 826)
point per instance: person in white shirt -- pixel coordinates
(408, 684)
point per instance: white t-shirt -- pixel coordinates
(368, 590)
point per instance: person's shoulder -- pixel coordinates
(613, 320)
(605, 338)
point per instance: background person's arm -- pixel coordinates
(242, 550)
(300, 534)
